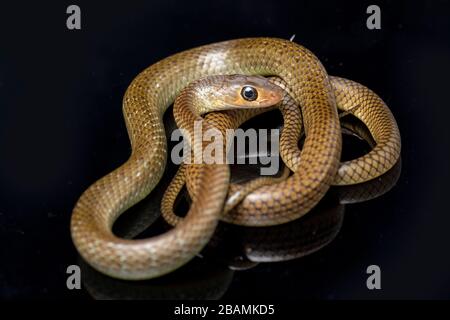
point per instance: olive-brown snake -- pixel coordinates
(145, 102)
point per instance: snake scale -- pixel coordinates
(145, 102)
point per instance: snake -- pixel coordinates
(144, 104)
(351, 98)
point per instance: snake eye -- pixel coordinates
(249, 93)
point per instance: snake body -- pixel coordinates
(351, 98)
(234, 247)
(145, 102)
(356, 99)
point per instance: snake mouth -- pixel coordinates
(273, 99)
(262, 103)
(268, 103)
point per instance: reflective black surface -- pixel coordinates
(61, 128)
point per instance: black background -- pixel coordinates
(61, 128)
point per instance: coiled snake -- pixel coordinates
(145, 102)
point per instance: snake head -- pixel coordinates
(228, 92)
(242, 92)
